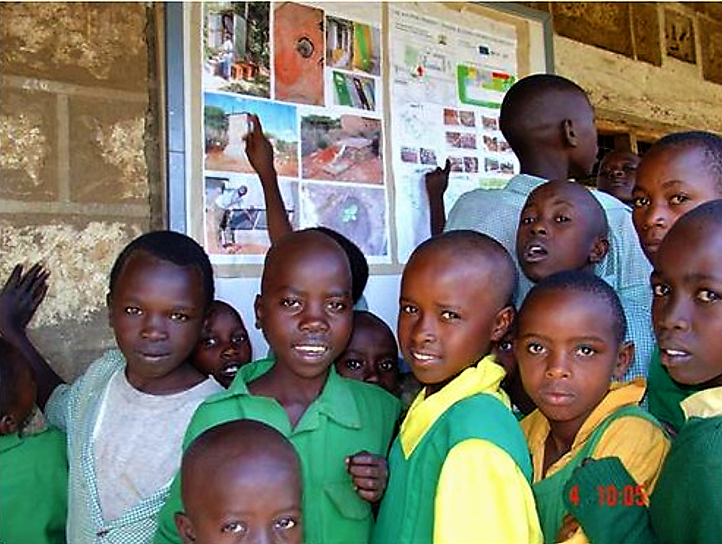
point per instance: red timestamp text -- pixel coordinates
(610, 495)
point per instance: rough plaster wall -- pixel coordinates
(672, 96)
(79, 158)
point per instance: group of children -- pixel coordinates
(528, 308)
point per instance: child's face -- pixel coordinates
(617, 174)
(246, 506)
(568, 352)
(669, 183)
(687, 305)
(448, 315)
(555, 233)
(224, 346)
(305, 309)
(157, 313)
(371, 356)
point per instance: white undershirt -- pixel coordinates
(138, 439)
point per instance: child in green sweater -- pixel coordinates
(687, 320)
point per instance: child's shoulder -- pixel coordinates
(366, 396)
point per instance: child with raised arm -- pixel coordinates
(549, 124)
(372, 355)
(125, 417)
(570, 346)
(687, 317)
(459, 469)
(340, 428)
(224, 346)
(241, 483)
(563, 227)
(678, 173)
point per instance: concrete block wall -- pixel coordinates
(79, 157)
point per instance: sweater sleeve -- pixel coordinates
(482, 496)
(623, 522)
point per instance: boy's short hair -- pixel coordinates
(9, 373)
(173, 247)
(708, 143)
(356, 259)
(469, 244)
(521, 103)
(584, 282)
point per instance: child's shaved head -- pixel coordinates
(469, 246)
(708, 143)
(241, 477)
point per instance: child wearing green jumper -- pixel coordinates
(460, 468)
(687, 320)
(340, 428)
(33, 466)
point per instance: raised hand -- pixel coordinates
(20, 297)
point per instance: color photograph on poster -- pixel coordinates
(236, 47)
(354, 91)
(367, 49)
(226, 123)
(339, 43)
(236, 222)
(341, 148)
(298, 58)
(357, 212)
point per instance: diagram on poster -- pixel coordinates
(447, 83)
(312, 74)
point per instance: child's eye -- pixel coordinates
(660, 290)
(562, 219)
(409, 309)
(239, 339)
(526, 220)
(707, 296)
(290, 303)
(354, 364)
(284, 524)
(640, 202)
(535, 348)
(678, 199)
(586, 351)
(337, 305)
(233, 527)
(178, 316)
(448, 315)
(133, 310)
(387, 365)
(210, 342)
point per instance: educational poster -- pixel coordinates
(312, 73)
(448, 79)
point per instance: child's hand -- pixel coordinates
(20, 298)
(437, 181)
(259, 149)
(369, 473)
(569, 527)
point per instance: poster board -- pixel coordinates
(360, 100)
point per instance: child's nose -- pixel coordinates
(313, 318)
(673, 313)
(557, 366)
(153, 328)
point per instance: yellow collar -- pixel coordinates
(484, 377)
(706, 403)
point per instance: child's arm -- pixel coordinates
(437, 181)
(483, 497)
(260, 154)
(370, 474)
(19, 299)
(628, 523)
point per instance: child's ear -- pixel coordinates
(502, 322)
(258, 310)
(569, 134)
(8, 425)
(185, 528)
(625, 357)
(599, 250)
(109, 304)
